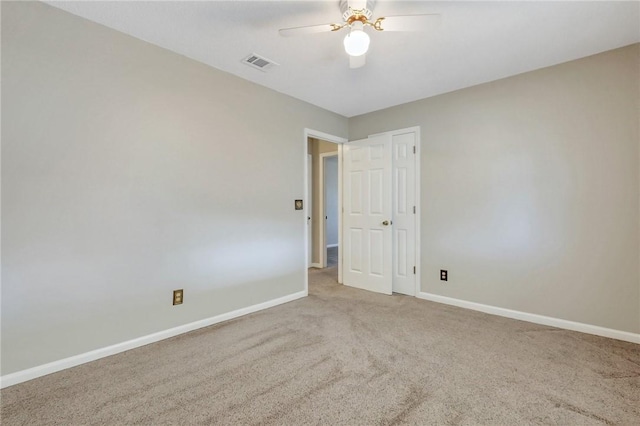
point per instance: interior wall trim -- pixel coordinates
(55, 366)
(534, 318)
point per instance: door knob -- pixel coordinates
(385, 223)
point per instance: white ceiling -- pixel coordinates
(476, 42)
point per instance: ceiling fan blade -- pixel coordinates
(309, 29)
(357, 61)
(410, 22)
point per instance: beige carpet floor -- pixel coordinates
(348, 357)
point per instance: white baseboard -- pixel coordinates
(52, 367)
(534, 318)
(316, 265)
(332, 245)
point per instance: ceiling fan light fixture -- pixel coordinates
(356, 43)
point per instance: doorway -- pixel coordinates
(329, 199)
(317, 143)
(323, 200)
(404, 214)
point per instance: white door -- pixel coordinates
(404, 217)
(367, 201)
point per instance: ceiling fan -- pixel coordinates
(357, 15)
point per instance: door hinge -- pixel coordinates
(414, 209)
(414, 149)
(414, 270)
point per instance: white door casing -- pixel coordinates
(367, 214)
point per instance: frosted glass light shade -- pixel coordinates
(356, 43)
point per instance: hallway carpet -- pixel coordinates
(348, 357)
(332, 256)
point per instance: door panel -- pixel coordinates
(400, 247)
(376, 192)
(356, 192)
(376, 262)
(404, 253)
(355, 253)
(368, 259)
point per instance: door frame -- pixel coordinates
(323, 203)
(340, 141)
(311, 133)
(309, 203)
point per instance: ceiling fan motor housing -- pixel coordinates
(366, 12)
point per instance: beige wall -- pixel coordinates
(129, 171)
(317, 147)
(530, 189)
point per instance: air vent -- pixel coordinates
(259, 62)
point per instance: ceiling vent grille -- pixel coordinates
(259, 62)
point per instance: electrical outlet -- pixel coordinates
(178, 297)
(443, 275)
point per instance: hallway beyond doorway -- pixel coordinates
(332, 256)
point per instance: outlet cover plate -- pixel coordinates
(178, 297)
